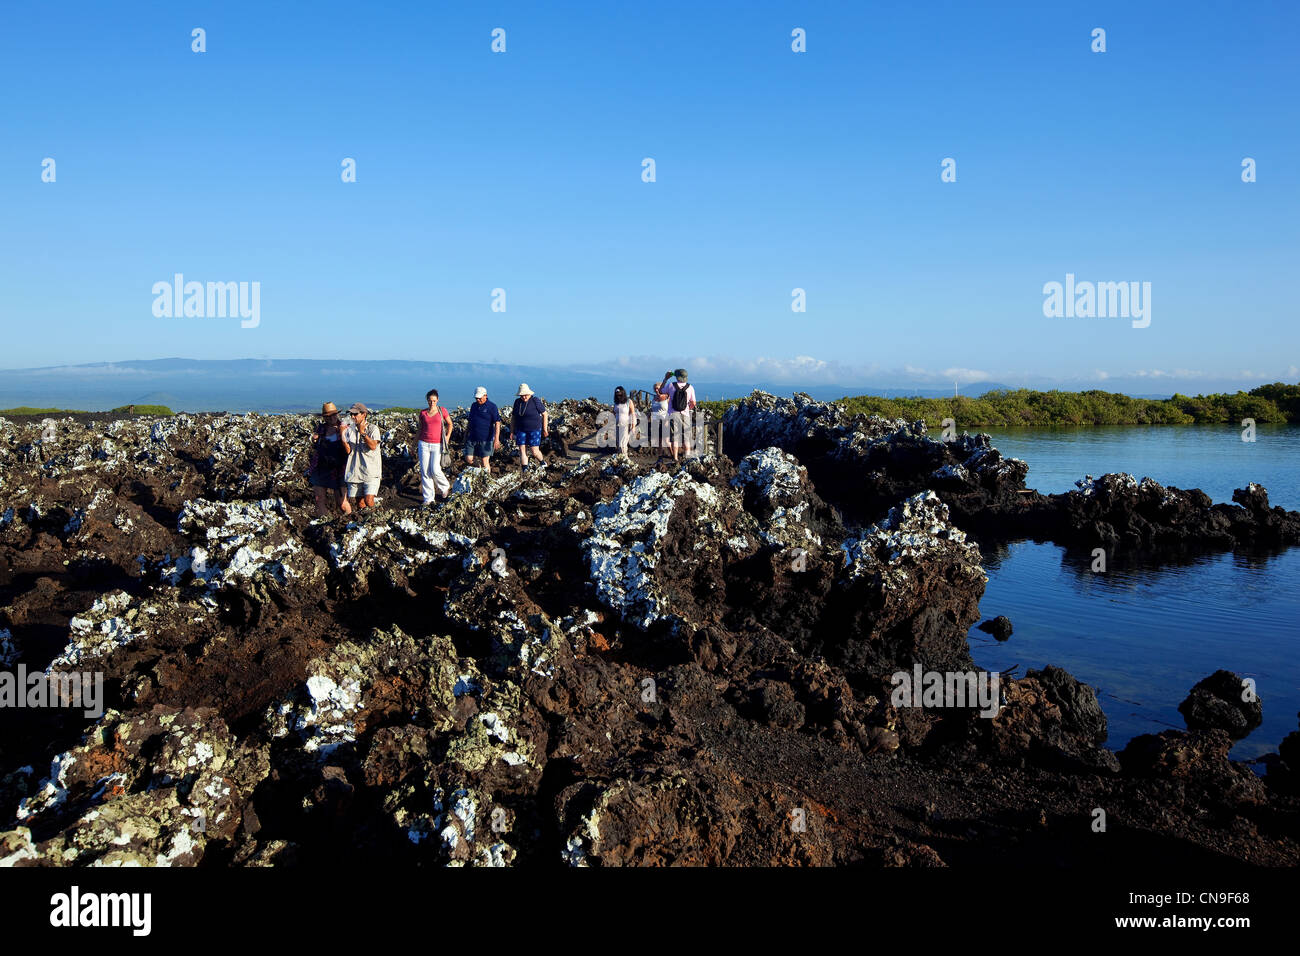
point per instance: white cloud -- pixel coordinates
(1175, 373)
(799, 369)
(85, 371)
(967, 375)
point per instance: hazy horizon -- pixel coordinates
(296, 384)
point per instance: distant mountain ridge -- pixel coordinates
(302, 384)
(288, 385)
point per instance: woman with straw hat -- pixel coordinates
(327, 459)
(529, 424)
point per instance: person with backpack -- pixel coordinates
(681, 405)
(434, 432)
(529, 424)
(625, 419)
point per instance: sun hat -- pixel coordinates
(358, 408)
(480, 392)
(329, 408)
(524, 390)
(681, 374)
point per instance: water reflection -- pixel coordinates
(1210, 457)
(1147, 629)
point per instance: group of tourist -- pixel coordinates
(346, 464)
(670, 415)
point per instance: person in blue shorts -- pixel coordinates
(483, 433)
(529, 424)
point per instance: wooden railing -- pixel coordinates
(710, 431)
(705, 438)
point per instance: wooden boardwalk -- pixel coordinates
(590, 444)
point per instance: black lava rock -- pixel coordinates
(999, 627)
(1221, 702)
(1081, 714)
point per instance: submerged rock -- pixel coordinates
(999, 627)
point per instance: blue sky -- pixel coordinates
(775, 170)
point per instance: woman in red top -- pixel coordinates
(435, 428)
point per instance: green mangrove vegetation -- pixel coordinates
(1275, 403)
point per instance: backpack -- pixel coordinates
(681, 398)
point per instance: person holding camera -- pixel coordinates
(681, 402)
(361, 443)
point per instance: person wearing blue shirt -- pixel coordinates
(528, 424)
(483, 433)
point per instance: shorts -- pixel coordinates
(531, 439)
(680, 423)
(358, 488)
(478, 449)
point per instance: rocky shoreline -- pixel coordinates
(601, 662)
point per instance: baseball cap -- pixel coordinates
(358, 408)
(480, 392)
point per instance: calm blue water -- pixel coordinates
(1210, 457)
(1145, 634)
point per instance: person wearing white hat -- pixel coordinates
(529, 424)
(483, 431)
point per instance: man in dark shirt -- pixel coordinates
(528, 424)
(483, 433)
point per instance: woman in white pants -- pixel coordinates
(435, 428)
(625, 419)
